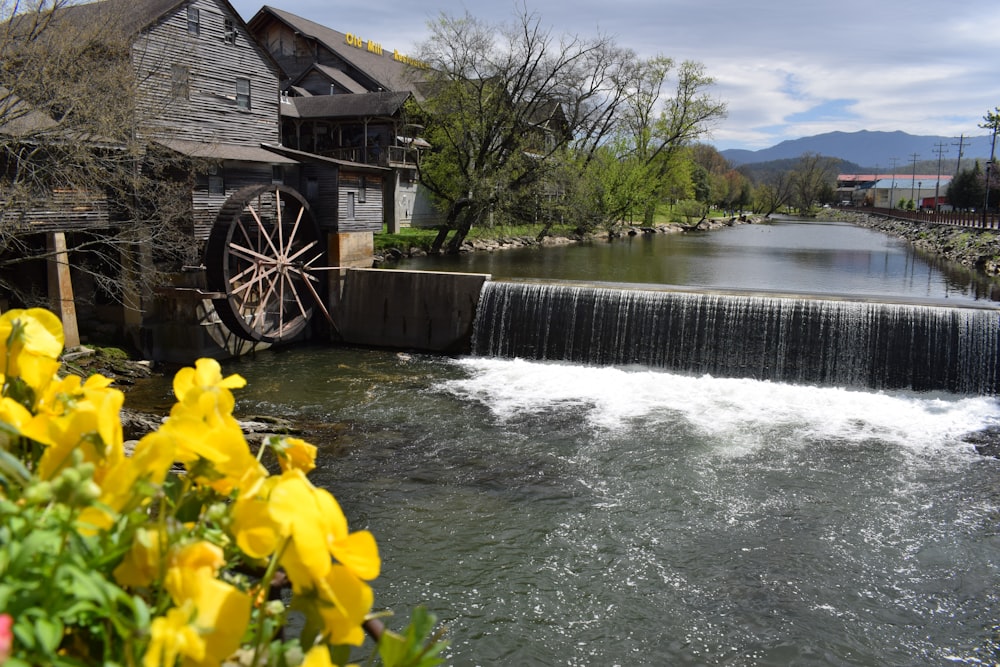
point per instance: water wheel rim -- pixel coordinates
(260, 254)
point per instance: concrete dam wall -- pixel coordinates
(418, 310)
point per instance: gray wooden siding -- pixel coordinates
(367, 214)
(322, 196)
(292, 52)
(63, 210)
(211, 112)
(235, 175)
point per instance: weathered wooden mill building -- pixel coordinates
(269, 224)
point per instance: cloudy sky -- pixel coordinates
(786, 68)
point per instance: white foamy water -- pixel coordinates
(610, 398)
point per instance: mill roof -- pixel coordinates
(345, 106)
(388, 72)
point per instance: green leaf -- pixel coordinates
(392, 649)
(87, 585)
(49, 632)
(24, 633)
(12, 470)
(420, 647)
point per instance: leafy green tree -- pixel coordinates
(606, 189)
(968, 189)
(661, 124)
(504, 104)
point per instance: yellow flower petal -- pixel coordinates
(141, 565)
(344, 613)
(358, 552)
(295, 453)
(36, 331)
(318, 656)
(172, 636)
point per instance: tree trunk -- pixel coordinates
(463, 229)
(439, 240)
(546, 228)
(449, 225)
(648, 214)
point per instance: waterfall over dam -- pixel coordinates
(825, 341)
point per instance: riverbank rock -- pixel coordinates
(110, 362)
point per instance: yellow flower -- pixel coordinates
(295, 453)
(319, 656)
(343, 604)
(35, 330)
(222, 611)
(206, 374)
(14, 415)
(257, 534)
(30, 344)
(141, 565)
(173, 636)
(84, 417)
(122, 484)
(216, 453)
(290, 507)
(318, 527)
(206, 378)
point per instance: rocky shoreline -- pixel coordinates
(515, 242)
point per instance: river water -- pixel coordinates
(567, 514)
(823, 257)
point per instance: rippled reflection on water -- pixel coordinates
(788, 255)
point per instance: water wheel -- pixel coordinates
(262, 254)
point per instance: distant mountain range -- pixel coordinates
(868, 149)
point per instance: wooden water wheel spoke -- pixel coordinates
(306, 277)
(298, 299)
(295, 227)
(295, 256)
(249, 286)
(239, 282)
(264, 232)
(250, 254)
(263, 265)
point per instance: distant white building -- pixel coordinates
(922, 191)
(885, 191)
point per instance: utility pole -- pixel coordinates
(961, 152)
(892, 183)
(941, 150)
(913, 178)
(874, 187)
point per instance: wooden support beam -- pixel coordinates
(61, 287)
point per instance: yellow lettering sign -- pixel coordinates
(413, 62)
(374, 47)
